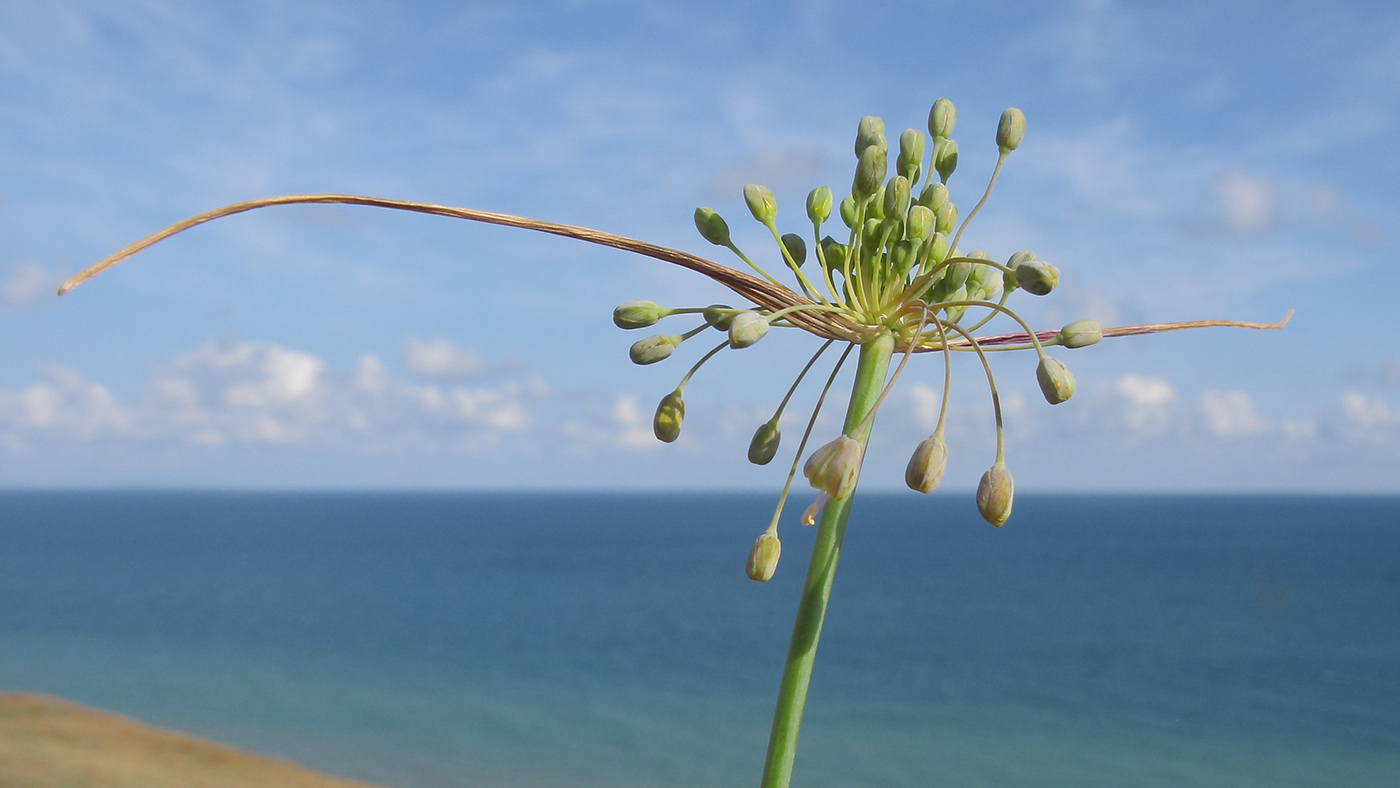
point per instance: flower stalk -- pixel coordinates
(871, 366)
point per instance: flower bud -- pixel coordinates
(870, 172)
(896, 197)
(1010, 129)
(957, 274)
(834, 253)
(945, 158)
(763, 558)
(712, 226)
(1037, 277)
(637, 314)
(718, 316)
(765, 443)
(994, 495)
(925, 470)
(747, 328)
(870, 134)
(849, 211)
(654, 348)
(938, 248)
(920, 222)
(796, 248)
(666, 424)
(946, 218)
(933, 196)
(911, 153)
(1023, 256)
(819, 204)
(1080, 333)
(955, 313)
(902, 256)
(991, 282)
(1008, 278)
(941, 119)
(1056, 381)
(761, 203)
(835, 467)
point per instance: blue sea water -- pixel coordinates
(564, 640)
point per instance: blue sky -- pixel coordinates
(1182, 161)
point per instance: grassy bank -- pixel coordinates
(50, 743)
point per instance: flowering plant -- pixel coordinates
(894, 281)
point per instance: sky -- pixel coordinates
(1182, 161)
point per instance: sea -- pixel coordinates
(566, 640)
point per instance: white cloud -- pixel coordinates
(259, 393)
(440, 358)
(1232, 413)
(64, 403)
(1248, 204)
(1362, 419)
(633, 426)
(26, 283)
(1148, 403)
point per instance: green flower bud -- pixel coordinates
(875, 206)
(834, 254)
(941, 119)
(938, 248)
(1037, 277)
(933, 196)
(666, 424)
(925, 470)
(911, 153)
(1023, 256)
(835, 467)
(945, 158)
(957, 275)
(897, 197)
(902, 256)
(761, 204)
(870, 233)
(637, 314)
(1080, 333)
(870, 172)
(1008, 278)
(946, 217)
(1056, 382)
(718, 316)
(870, 134)
(849, 211)
(654, 348)
(994, 495)
(819, 204)
(796, 247)
(1010, 129)
(919, 222)
(763, 557)
(891, 230)
(747, 328)
(989, 282)
(765, 443)
(955, 313)
(712, 226)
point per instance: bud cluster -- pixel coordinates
(893, 264)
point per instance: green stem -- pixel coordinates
(874, 363)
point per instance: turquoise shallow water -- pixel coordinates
(566, 640)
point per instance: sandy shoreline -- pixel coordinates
(46, 742)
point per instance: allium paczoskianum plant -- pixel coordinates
(889, 279)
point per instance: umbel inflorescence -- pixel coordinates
(894, 266)
(885, 275)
